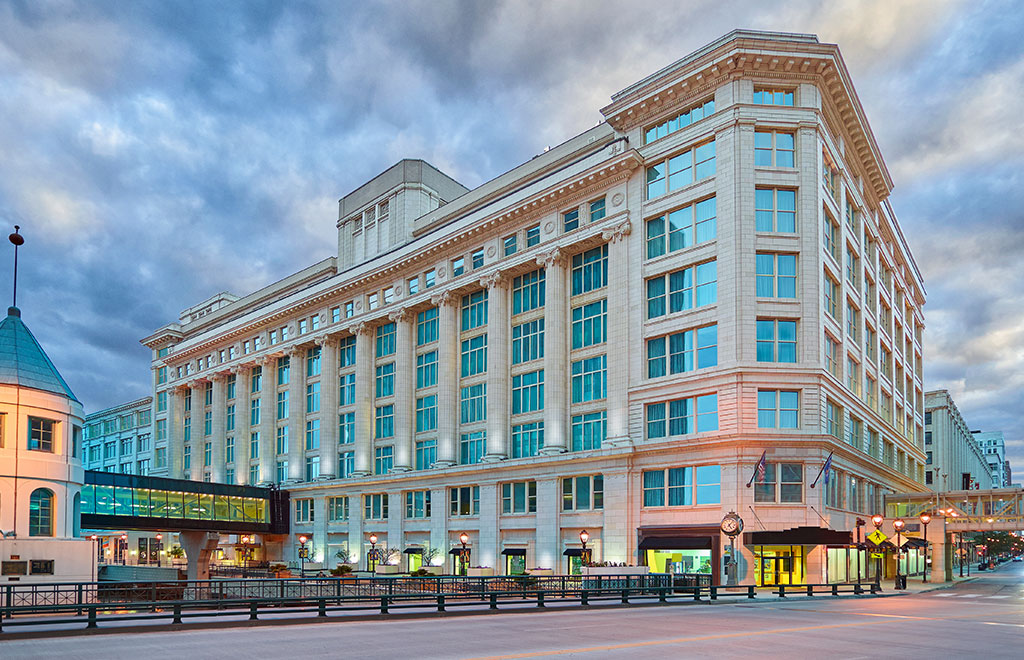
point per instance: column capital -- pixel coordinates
(553, 257)
(443, 298)
(495, 280)
(326, 340)
(619, 232)
(297, 352)
(197, 383)
(361, 328)
(218, 376)
(266, 360)
(399, 315)
(239, 369)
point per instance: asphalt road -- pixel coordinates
(980, 618)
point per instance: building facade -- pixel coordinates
(607, 337)
(119, 439)
(993, 444)
(40, 465)
(953, 458)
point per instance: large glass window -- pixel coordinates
(40, 512)
(682, 486)
(417, 504)
(684, 289)
(590, 379)
(426, 369)
(519, 497)
(474, 310)
(590, 270)
(681, 170)
(426, 326)
(775, 210)
(682, 416)
(528, 392)
(528, 291)
(386, 339)
(776, 340)
(773, 148)
(473, 406)
(426, 453)
(40, 435)
(589, 325)
(426, 413)
(383, 459)
(682, 351)
(464, 500)
(527, 439)
(776, 275)
(778, 409)
(682, 120)
(681, 228)
(528, 341)
(472, 447)
(474, 355)
(385, 380)
(773, 96)
(783, 482)
(588, 430)
(384, 421)
(583, 493)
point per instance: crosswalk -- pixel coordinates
(947, 595)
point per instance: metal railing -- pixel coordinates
(92, 603)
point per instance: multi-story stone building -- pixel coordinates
(119, 439)
(953, 458)
(606, 337)
(993, 444)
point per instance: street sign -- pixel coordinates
(878, 555)
(877, 537)
(904, 541)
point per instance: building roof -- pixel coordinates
(23, 361)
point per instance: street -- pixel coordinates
(981, 617)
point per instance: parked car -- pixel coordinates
(1017, 558)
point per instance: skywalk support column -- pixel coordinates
(498, 448)
(556, 367)
(267, 396)
(447, 377)
(405, 388)
(296, 414)
(329, 384)
(175, 431)
(364, 400)
(241, 431)
(220, 404)
(618, 333)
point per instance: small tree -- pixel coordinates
(389, 556)
(429, 554)
(177, 552)
(344, 555)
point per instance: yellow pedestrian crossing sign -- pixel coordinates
(877, 555)
(877, 537)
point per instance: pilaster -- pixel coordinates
(268, 408)
(296, 414)
(405, 388)
(364, 400)
(447, 378)
(556, 368)
(328, 405)
(498, 309)
(618, 334)
(217, 463)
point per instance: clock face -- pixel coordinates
(731, 525)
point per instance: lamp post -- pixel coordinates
(898, 525)
(124, 548)
(464, 539)
(371, 561)
(159, 549)
(584, 553)
(244, 540)
(859, 523)
(303, 554)
(925, 519)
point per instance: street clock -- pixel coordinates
(732, 524)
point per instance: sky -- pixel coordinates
(157, 153)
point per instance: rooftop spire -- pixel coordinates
(17, 239)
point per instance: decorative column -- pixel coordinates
(405, 388)
(364, 400)
(618, 334)
(556, 350)
(198, 441)
(242, 397)
(296, 414)
(498, 436)
(268, 409)
(175, 431)
(447, 377)
(220, 403)
(328, 405)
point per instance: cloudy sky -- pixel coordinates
(156, 153)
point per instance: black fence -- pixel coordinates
(94, 603)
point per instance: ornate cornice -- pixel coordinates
(553, 257)
(619, 232)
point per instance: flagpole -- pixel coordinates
(822, 469)
(759, 461)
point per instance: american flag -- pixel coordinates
(762, 467)
(828, 468)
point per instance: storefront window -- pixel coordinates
(775, 565)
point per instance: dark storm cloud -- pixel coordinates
(157, 153)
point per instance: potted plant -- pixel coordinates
(345, 558)
(480, 571)
(177, 552)
(280, 570)
(388, 561)
(342, 570)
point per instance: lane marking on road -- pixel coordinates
(678, 640)
(996, 596)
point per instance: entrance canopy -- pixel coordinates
(676, 543)
(799, 536)
(514, 552)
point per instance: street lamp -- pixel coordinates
(303, 555)
(159, 549)
(925, 519)
(464, 538)
(584, 553)
(898, 525)
(371, 561)
(124, 548)
(877, 520)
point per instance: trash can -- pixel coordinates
(901, 582)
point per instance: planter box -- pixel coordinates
(480, 572)
(433, 570)
(616, 570)
(540, 571)
(384, 569)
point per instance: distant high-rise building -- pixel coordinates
(993, 445)
(954, 460)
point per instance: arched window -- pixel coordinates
(40, 513)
